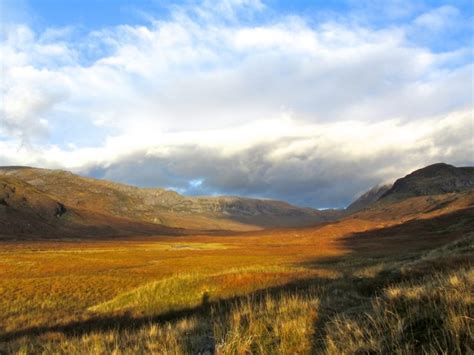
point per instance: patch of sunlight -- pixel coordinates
(191, 290)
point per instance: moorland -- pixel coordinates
(91, 266)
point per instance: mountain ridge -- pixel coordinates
(368, 198)
(433, 179)
(59, 202)
(167, 207)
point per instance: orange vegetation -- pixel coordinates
(46, 283)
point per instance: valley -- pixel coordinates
(90, 282)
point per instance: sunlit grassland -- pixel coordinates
(45, 284)
(191, 290)
(279, 292)
(431, 316)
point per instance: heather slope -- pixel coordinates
(28, 213)
(55, 202)
(24, 209)
(167, 207)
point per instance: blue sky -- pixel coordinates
(87, 15)
(311, 102)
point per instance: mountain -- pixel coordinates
(26, 212)
(165, 207)
(368, 198)
(25, 207)
(426, 192)
(417, 207)
(58, 203)
(434, 179)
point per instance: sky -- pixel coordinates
(311, 102)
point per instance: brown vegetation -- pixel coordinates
(166, 207)
(340, 283)
(392, 278)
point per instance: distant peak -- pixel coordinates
(437, 166)
(435, 179)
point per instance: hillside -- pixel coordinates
(24, 209)
(28, 213)
(425, 190)
(368, 198)
(59, 203)
(165, 207)
(434, 179)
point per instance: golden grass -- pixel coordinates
(282, 324)
(191, 290)
(45, 283)
(169, 338)
(431, 316)
(319, 296)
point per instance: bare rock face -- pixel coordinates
(434, 179)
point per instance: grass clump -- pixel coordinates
(430, 316)
(170, 338)
(281, 324)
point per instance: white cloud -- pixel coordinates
(313, 164)
(273, 105)
(438, 18)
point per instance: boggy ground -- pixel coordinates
(356, 286)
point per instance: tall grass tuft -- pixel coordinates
(431, 316)
(281, 324)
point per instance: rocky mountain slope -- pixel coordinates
(425, 193)
(165, 207)
(434, 179)
(368, 198)
(24, 209)
(58, 203)
(26, 212)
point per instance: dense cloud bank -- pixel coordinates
(207, 104)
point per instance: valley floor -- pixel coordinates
(354, 286)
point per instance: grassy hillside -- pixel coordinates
(26, 213)
(166, 207)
